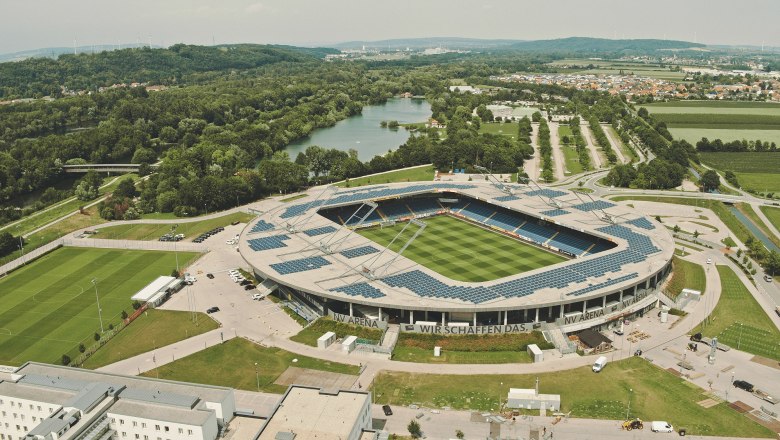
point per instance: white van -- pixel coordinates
(600, 363)
(658, 426)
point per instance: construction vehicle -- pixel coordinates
(628, 425)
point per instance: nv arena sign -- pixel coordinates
(365, 322)
(466, 330)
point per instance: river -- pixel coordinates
(363, 133)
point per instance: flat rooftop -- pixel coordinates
(162, 413)
(312, 414)
(35, 392)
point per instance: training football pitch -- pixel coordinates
(48, 307)
(462, 251)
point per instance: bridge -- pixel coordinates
(104, 167)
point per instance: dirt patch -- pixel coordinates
(740, 406)
(316, 378)
(764, 361)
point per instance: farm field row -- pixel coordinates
(720, 121)
(694, 135)
(713, 104)
(755, 171)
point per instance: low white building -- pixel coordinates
(307, 413)
(48, 402)
(158, 291)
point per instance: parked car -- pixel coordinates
(257, 297)
(768, 278)
(211, 310)
(245, 282)
(659, 426)
(387, 410)
(249, 287)
(709, 260)
(210, 276)
(744, 385)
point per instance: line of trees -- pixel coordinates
(601, 139)
(545, 150)
(580, 143)
(717, 145)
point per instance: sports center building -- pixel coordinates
(615, 258)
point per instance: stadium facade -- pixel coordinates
(616, 260)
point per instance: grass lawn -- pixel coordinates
(571, 159)
(694, 135)
(150, 231)
(656, 395)
(502, 128)
(686, 275)
(773, 214)
(48, 307)
(232, 364)
(321, 326)
(471, 349)
(735, 226)
(736, 308)
(418, 174)
(153, 329)
(465, 252)
(90, 217)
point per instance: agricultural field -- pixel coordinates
(153, 231)
(48, 307)
(655, 395)
(465, 252)
(755, 171)
(232, 364)
(417, 174)
(739, 321)
(606, 67)
(724, 120)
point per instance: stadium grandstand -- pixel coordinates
(607, 262)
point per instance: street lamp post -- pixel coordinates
(628, 409)
(21, 245)
(257, 375)
(97, 299)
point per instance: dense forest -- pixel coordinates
(216, 132)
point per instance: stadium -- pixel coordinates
(459, 257)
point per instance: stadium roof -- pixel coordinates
(294, 259)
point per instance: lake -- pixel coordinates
(363, 133)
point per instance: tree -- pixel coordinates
(125, 189)
(676, 229)
(65, 359)
(772, 263)
(414, 429)
(124, 314)
(82, 348)
(710, 181)
(459, 434)
(87, 188)
(96, 336)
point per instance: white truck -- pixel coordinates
(659, 426)
(600, 363)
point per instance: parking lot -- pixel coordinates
(238, 313)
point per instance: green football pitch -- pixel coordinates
(48, 307)
(462, 251)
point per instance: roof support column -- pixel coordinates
(475, 319)
(443, 314)
(506, 317)
(411, 316)
(380, 313)
(537, 315)
(350, 310)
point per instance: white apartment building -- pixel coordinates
(48, 402)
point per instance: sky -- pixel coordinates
(32, 24)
